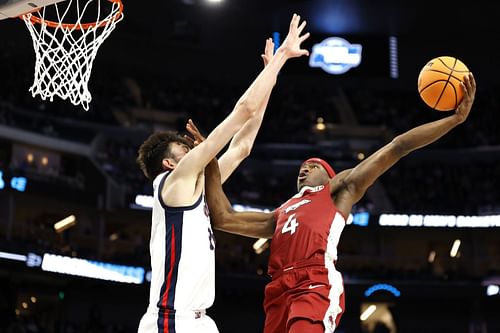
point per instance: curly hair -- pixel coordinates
(152, 152)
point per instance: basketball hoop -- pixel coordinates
(66, 51)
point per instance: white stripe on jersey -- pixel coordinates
(336, 229)
(334, 277)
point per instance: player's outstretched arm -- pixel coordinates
(247, 105)
(364, 175)
(223, 216)
(290, 48)
(242, 143)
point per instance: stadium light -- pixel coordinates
(431, 257)
(492, 290)
(454, 248)
(368, 312)
(260, 245)
(65, 224)
(12, 256)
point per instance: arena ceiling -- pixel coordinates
(181, 34)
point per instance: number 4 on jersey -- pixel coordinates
(290, 225)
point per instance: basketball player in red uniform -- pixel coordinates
(306, 294)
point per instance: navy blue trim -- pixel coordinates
(164, 205)
(170, 316)
(184, 208)
(173, 228)
(166, 269)
(160, 187)
(177, 226)
(171, 323)
(160, 320)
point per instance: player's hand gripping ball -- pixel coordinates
(439, 83)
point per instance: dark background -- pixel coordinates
(170, 60)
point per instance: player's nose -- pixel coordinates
(303, 171)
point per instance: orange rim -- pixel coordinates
(81, 26)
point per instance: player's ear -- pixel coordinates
(168, 164)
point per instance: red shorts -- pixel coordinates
(314, 293)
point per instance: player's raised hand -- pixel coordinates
(469, 90)
(268, 51)
(291, 44)
(196, 137)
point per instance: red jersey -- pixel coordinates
(308, 228)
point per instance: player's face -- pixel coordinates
(177, 151)
(311, 174)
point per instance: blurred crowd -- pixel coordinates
(291, 116)
(426, 183)
(456, 175)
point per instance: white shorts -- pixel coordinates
(180, 322)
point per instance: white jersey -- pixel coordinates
(182, 248)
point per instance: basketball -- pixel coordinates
(439, 83)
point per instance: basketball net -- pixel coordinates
(65, 51)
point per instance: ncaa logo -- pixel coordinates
(335, 55)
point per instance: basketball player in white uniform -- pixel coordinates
(182, 243)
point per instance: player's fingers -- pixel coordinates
(301, 27)
(304, 37)
(195, 129)
(199, 136)
(190, 129)
(465, 91)
(196, 135)
(467, 83)
(265, 60)
(294, 22)
(269, 46)
(297, 21)
(470, 85)
(291, 22)
(190, 140)
(191, 122)
(472, 81)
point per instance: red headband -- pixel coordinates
(323, 163)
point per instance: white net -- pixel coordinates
(65, 51)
